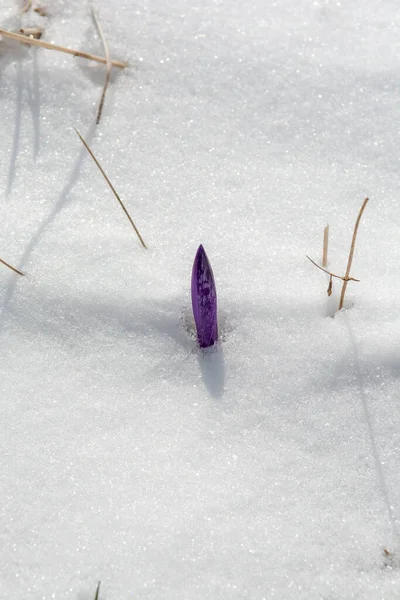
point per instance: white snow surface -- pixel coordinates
(267, 468)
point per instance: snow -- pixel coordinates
(267, 468)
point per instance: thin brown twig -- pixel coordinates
(43, 44)
(12, 268)
(351, 254)
(332, 274)
(108, 64)
(325, 247)
(112, 189)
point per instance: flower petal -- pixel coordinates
(204, 300)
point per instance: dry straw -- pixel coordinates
(108, 65)
(346, 277)
(351, 254)
(33, 42)
(112, 189)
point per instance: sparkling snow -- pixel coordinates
(269, 467)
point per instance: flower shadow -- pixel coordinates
(212, 367)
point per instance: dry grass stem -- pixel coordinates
(325, 247)
(351, 254)
(31, 41)
(332, 274)
(108, 64)
(12, 268)
(113, 189)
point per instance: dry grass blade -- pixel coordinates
(112, 189)
(10, 267)
(332, 274)
(108, 63)
(351, 254)
(33, 42)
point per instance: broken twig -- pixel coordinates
(31, 41)
(112, 189)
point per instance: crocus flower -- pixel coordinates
(204, 300)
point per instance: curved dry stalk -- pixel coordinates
(108, 64)
(351, 254)
(12, 268)
(332, 274)
(112, 189)
(33, 42)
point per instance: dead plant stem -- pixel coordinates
(332, 274)
(108, 65)
(112, 189)
(33, 42)
(351, 254)
(12, 268)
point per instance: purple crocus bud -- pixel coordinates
(204, 300)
